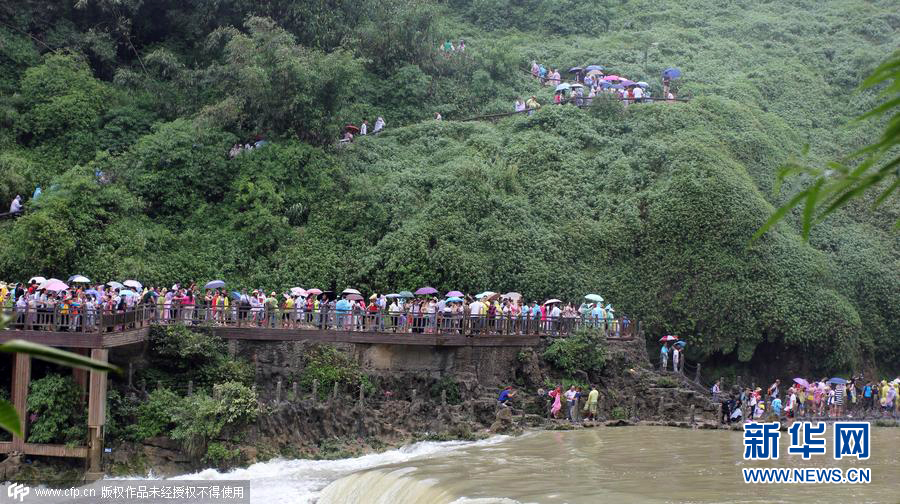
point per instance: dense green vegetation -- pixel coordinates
(653, 206)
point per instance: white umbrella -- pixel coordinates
(115, 285)
(350, 291)
(134, 284)
(79, 279)
(484, 294)
(515, 296)
(552, 301)
(37, 280)
(298, 291)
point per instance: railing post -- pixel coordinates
(315, 390)
(697, 375)
(334, 393)
(294, 388)
(190, 391)
(278, 391)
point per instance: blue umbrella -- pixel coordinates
(838, 381)
(235, 295)
(126, 292)
(92, 292)
(215, 284)
(454, 299)
(562, 87)
(672, 73)
(680, 343)
(406, 294)
(593, 67)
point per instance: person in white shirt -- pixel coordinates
(676, 358)
(16, 205)
(475, 309)
(554, 318)
(570, 402)
(379, 125)
(638, 94)
(364, 127)
(520, 105)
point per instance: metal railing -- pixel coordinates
(84, 319)
(80, 319)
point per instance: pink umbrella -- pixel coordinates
(424, 291)
(54, 285)
(801, 381)
(455, 294)
(354, 297)
(611, 78)
(314, 292)
(668, 338)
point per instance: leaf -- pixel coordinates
(57, 356)
(9, 419)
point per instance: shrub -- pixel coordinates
(328, 365)
(220, 456)
(199, 419)
(582, 351)
(448, 384)
(618, 413)
(60, 412)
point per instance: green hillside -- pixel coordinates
(653, 206)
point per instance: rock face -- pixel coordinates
(10, 466)
(406, 402)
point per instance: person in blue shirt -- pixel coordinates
(505, 395)
(664, 357)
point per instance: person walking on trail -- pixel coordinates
(16, 205)
(448, 46)
(532, 105)
(773, 389)
(379, 125)
(520, 105)
(364, 127)
(535, 70)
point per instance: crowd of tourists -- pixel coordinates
(816, 399)
(74, 305)
(591, 81)
(579, 405)
(239, 148)
(351, 130)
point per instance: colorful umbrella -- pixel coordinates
(611, 78)
(454, 294)
(424, 291)
(680, 343)
(801, 381)
(352, 127)
(314, 292)
(354, 297)
(215, 284)
(595, 72)
(668, 338)
(299, 291)
(235, 295)
(454, 299)
(484, 294)
(597, 298)
(53, 285)
(838, 381)
(92, 292)
(593, 68)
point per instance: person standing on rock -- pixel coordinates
(676, 358)
(664, 357)
(593, 400)
(571, 395)
(556, 394)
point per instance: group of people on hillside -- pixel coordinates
(351, 130)
(589, 84)
(447, 47)
(238, 148)
(824, 398)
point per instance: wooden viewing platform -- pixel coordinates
(95, 332)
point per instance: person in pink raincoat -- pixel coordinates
(557, 402)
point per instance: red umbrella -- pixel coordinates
(352, 127)
(668, 338)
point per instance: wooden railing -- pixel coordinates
(95, 320)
